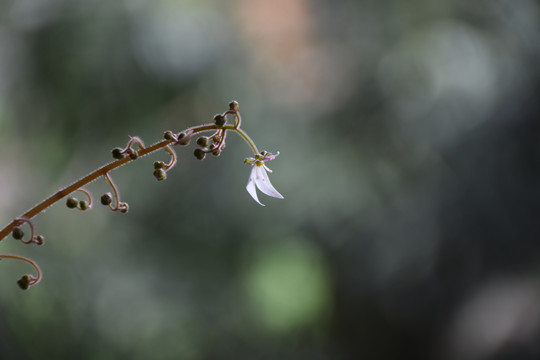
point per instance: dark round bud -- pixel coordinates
(125, 208)
(219, 120)
(106, 199)
(168, 135)
(234, 106)
(24, 282)
(40, 240)
(160, 174)
(72, 202)
(199, 154)
(117, 153)
(159, 164)
(17, 233)
(83, 204)
(216, 152)
(183, 139)
(202, 141)
(133, 155)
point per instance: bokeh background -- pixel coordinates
(409, 134)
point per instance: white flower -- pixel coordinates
(259, 178)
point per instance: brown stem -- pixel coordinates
(118, 205)
(173, 158)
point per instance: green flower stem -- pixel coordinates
(246, 137)
(111, 166)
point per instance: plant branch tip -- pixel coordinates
(212, 140)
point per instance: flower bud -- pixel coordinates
(83, 205)
(133, 155)
(234, 106)
(216, 152)
(168, 135)
(106, 199)
(72, 202)
(159, 164)
(17, 233)
(220, 120)
(40, 240)
(125, 208)
(24, 282)
(160, 174)
(199, 154)
(202, 141)
(183, 139)
(117, 153)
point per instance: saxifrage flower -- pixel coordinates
(259, 178)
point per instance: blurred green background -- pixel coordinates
(409, 134)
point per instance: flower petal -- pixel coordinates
(263, 182)
(250, 187)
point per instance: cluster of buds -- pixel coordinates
(160, 167)
(119, 153)
(74, 203)
(215, 143)
(18, 233)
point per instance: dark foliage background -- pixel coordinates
(409, 135)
